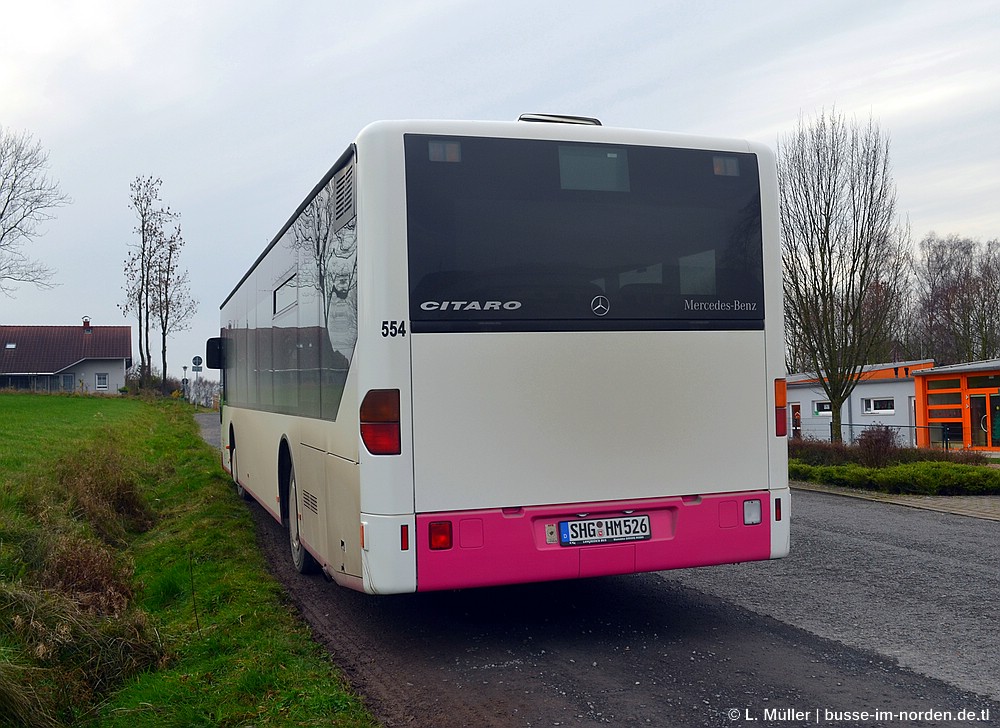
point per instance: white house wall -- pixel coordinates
(85, 375)
(853, 415)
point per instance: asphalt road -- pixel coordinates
(916, 586)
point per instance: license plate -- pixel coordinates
(604, 530)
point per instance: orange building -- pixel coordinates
(958, 406)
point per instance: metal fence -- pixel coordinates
(941, 436)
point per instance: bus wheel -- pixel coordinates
(302, 560)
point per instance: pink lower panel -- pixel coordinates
(509, 546)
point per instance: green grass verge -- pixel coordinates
(920, 478)
(131, 588)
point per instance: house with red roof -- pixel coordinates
(65, 358)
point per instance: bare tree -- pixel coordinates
(988, 305)
(205, 392)
(957, 282)
(27, 199)
(844, 250)
(156, 289)
(144, 199)
(173, 305)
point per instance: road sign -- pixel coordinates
(196, 361)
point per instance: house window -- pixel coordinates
(945, 413)
(822, 408)
(101, 381)
(884, 406)
(944, 383)
(986, 382)
(68, 383)
(945, 398)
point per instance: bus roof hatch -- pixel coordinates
(560, 119)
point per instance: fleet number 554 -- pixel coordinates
(393, 328)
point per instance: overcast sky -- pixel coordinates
(241, 107)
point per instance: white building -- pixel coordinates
(885, 395)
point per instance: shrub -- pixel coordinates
(923, 455)
(798, 470)
(876, 443)
(850, 475)
(877, 446)
(818, 452)
(927, 478)
(939, 478)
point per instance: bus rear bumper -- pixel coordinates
(515, 545)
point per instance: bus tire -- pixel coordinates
(302, 560)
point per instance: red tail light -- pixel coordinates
(780, 408)
(440, 535)
(380, 431)
(777, 509)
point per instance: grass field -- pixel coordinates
(131, 589)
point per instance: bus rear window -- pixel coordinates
(528, 235)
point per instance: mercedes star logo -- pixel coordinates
(600, 305)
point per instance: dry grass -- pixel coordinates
(104, 486)
(75, 655)
(19, 705)
(95, 577)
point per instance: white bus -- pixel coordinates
(484, 353)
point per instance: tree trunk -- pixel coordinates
(143, 356)
(163, 354)
(836, 429)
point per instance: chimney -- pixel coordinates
(86, 325)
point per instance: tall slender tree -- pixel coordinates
(156, 288)
(844, 249)
(144, 200)
(173, 304)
